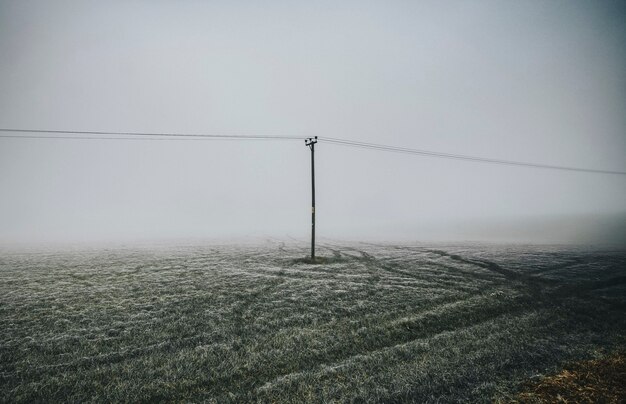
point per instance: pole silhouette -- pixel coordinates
(311, 143)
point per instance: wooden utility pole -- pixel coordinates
(311, 143)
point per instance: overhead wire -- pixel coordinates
(165, 135)
(165, 139)
(102, 135)
(428, 153)
(93, 138)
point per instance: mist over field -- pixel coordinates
(533, 82)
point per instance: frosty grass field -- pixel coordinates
(371, 323)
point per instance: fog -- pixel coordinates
(534, 81)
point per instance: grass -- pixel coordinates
(364, 323)
(320, 260)
(593, 381)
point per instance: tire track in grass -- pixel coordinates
(424, 278)
(486, 277)
(394, 268)
(538, 287)
(422, 345)
(453, 277)
(586, 288)
(244, 305)
(492, 266)
(421, 327)
(304, 277)
(457, 316)
(374, 264)
(109, 358)
(374, 281)
(564, 265)
(401, 331)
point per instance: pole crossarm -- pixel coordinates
(310, 141)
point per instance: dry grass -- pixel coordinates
(594, 381)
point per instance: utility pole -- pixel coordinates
(311, 143)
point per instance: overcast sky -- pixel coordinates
(537, 81)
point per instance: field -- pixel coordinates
(370, 323)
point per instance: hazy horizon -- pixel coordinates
(532, 81)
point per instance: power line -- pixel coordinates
(96, 138)
(164, 139)
(153, 135)
(395, 149)
(101, 135)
